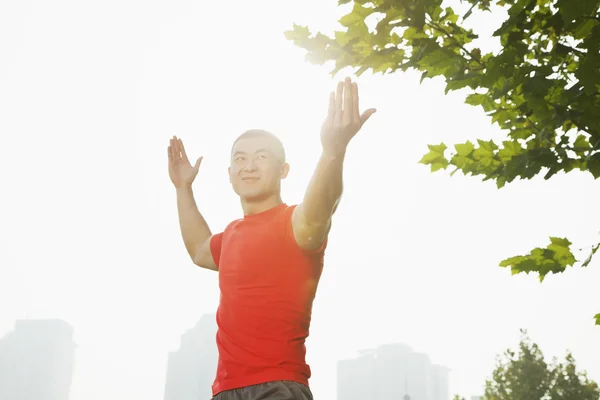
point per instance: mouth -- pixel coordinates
(250, 179)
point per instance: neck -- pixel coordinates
(256, 206)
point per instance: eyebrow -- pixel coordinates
(257, 151)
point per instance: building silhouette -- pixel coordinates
(391, 371)
(191, 369)
(37, 360)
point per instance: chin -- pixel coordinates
(253, 197)
(248, 193)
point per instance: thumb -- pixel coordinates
(198, 162)
(366, 115)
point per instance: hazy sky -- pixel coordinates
(90, 93)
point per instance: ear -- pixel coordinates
(229, 173)
(285, 170)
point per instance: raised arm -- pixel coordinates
(194, 230)
(311, 219)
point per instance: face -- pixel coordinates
(256, 168)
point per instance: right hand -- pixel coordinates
(181, 171)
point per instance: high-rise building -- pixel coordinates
(191, 369)
(391, 371)
(37, 360)
(440, 387)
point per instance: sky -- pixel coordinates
(91, 92)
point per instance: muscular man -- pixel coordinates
(269, 261)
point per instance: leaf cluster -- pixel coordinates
(542, 88)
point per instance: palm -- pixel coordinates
(343, 119)
(181, 171)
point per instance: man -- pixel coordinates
(269, 261)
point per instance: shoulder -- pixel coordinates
(217, 238)
(232, 225)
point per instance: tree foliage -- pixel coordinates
(542, 88)
(525, 375)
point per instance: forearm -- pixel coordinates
(324, 190)
(194, 228)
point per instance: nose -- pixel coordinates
(250, 165)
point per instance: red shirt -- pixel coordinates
(268, 284)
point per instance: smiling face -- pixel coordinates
(257, 166)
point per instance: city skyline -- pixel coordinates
(190, 368)
(391, 371)
(388, 371)
(36, 360)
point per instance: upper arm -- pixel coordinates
(204, 256)
(308, 236)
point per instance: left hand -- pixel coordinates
(343, 119)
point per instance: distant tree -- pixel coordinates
(542, 88)
(570, 384)
(525, 375)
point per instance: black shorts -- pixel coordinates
(276, 390)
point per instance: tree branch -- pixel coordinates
(468, 53)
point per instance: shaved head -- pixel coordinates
(276, 146)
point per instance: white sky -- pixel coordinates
(90, 93)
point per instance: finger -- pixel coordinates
(182, 149)
(177, 146)
(339, 102)
(172, 150)
(169, 158)
(331, 110)
(366, 115)
(198, 162)
(348, 108)
(173, 147)
(355, 109)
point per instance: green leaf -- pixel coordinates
(484, 100)
(589, 258)
(597, 317)
(412, 33)
(435, 158)
(510, 150)
(560, 242)
(593, 165)
(488, 146)
(357, 16)
(475, 99)
(457, 83)
(298, 33)
(581, 145)
(584, 28)
(464, 149)
(553, 259)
